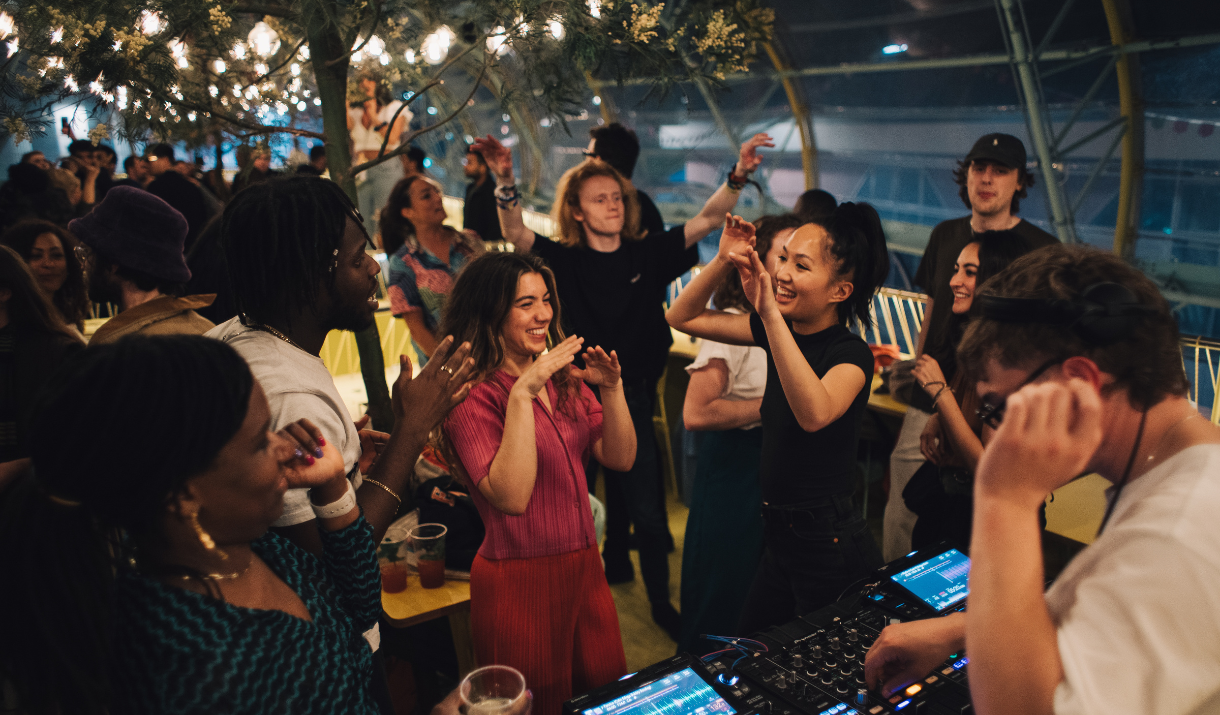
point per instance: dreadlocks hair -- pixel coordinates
(279, 239)
(72, 523)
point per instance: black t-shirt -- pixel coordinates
(798, 466)
(615, 299)
(650, 215)
(933, 276)
(178, 191)
(479, 213)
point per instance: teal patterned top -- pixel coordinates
(182, 652)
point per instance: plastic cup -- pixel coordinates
(393, 566)
(427, 545)
(494, 690)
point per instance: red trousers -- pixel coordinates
(550, 617)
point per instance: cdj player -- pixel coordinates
(813, 665)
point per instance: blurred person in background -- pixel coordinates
(176, 190)
(317, 164)
(424, 256)
(36, 158)
(34, 342)
(257, 171)
(619, 147)
(479, 211)
(815, 205)
(80, 195)
(29, 194)
(138, 174)
(133, 258)
(374, 121)
(722, 406)
(50, 252)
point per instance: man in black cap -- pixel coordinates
(131, 245)
(993, 180)
(177, 190)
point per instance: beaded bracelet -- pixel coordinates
(336, 508)
(507, 196)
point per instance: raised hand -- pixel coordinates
(499, 158)
(422, 402)
(749, 159)
(313, 461)
(551, 362)
(756, 283)
(1049, 433)
(737, 237)
(601, 369)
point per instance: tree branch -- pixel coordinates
(436, 81)
(257, 9)
(372, 28)
(253, 127)
(406, 142)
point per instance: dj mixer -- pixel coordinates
(813, 665)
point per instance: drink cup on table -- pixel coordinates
(393, 565)
(494, 690)
(427, 545)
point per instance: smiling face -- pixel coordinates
(991, 187)
(771, 260)
(427, 206)
(525, 327)
(241, 493)
(806, 282)
(352, 298)
(965, 274)
(49, 263)
(601, 210)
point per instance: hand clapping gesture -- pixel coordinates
(601, 370)
(736, 238)
(756, 283)
(534, 379)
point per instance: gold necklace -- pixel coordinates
(272, 331)
(220, 576)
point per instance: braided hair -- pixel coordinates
(71, 522)
(279, 239)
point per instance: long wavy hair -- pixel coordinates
(478, 305)
(567, 200)
(28, 307)
(70, 524)
(72, 298)
(397, 230)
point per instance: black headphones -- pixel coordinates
(1103, 314)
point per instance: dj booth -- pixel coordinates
(813, 665)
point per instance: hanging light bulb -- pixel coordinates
(238, 51)
(303, 53)
(219, 66)
(435, 47)
(296, 69)
(410, 56)
(57, 35)
(555, 26)
(263, 40)
(260, 68)
(177, 49)
(151, 22)
(374, 47)
(70, 84)
(121, 91)
(595, 8)
(7, 25)
(385, 59)
(495, 42)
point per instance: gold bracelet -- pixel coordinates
(387, 489)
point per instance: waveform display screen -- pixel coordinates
(940, 582)
(680, 693)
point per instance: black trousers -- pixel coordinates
(812, 552)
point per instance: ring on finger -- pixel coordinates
(446, 368)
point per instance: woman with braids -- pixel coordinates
(818, 374)
(50, 252)
(143, 579)
(539, 600)
(424, 256)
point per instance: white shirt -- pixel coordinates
(1138, 611)
(747, 367)
(364, 138)
(297, 385)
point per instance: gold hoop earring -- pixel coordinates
(205, 538)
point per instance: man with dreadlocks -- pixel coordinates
(295, 250)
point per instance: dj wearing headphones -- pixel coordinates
(1078, 367)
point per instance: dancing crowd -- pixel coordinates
(189, 514)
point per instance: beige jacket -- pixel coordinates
(166, 315)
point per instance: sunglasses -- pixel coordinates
(992, 415)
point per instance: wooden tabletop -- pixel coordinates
(884, 403)
(418, 604)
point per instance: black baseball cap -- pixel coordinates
(1001, 148)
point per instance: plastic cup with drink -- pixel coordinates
(427, 545)
(393, 563)
(494, 690)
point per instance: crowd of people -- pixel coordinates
(189, 514)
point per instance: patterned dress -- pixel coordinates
(420, 282)
(181, 652)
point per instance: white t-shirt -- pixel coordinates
(747, 367)
(297, 385)
(364, 138)
(1138, 611)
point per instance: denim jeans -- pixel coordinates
(637, 497)
(813, 551)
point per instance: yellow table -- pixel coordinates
(417, 605)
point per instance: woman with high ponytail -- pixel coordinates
(818, 377)
(139, 572)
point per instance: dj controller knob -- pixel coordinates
(816, 653)
(861, 697)
(853, 635)
(849, 653)
(798, 663)
(792, 677)
(830, 663)
(842, 689)
(812, 673)
(781, 684)
(835, 644)
(846, 671)
(828, 678)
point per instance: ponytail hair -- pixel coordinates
(858, 249)
(112, 444)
